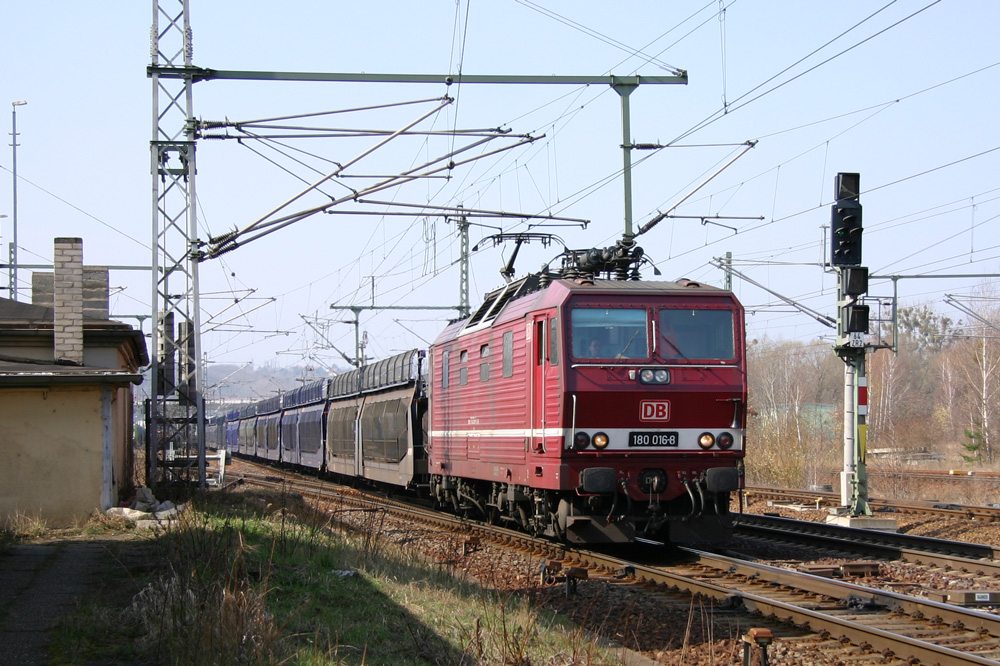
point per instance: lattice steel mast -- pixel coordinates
(175, 412)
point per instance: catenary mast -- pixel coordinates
(175, 411)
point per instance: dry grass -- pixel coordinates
(266, 579)
(22, 527)
(217, 622)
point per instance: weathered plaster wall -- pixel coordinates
(52, 450)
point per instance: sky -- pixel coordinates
(904, 93)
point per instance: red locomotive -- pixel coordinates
(590, 410)
(593, 410)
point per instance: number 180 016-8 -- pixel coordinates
(652, 439)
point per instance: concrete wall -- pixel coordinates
(52, 465)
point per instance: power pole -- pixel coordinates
(176, 410)
(463, 268)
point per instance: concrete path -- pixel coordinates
(39, 583)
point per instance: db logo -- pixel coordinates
(652, 410)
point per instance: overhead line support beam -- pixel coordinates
(196, 74)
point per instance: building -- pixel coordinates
(66, 379)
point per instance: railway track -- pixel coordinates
(957, 555)
(918, 507)
(883, 623)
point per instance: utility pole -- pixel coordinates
(12, 267)
(176, 409)
(463, 267)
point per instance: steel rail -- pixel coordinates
(921, 507)
(958, 555)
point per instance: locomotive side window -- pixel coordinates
(609, 333)
(445, 368)
(539, 342)
(696, 334)
(508, 354)
(554, 341)
(463, 372)
(484, 368)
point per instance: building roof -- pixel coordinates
(16, 372)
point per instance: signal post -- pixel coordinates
(846, 228)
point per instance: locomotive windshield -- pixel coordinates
(609, 333)
(696, 334)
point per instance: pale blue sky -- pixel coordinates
(909, 91)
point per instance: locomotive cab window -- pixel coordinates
(603, 333)
(696, 334)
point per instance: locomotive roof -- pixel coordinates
(531, 292)
(638, 285)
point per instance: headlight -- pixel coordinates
(581, 441)
(654, 376)
(706, 440)
(600, 441)
(725, 440)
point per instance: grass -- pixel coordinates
(21, 527)
(261, 578)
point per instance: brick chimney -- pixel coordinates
(67, 300)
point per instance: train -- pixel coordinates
(583, 404)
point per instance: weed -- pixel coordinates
(22, 526)
(100, 523)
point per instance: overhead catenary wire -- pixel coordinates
(526, 166)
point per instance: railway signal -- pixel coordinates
(852, 330)
(845, 222)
